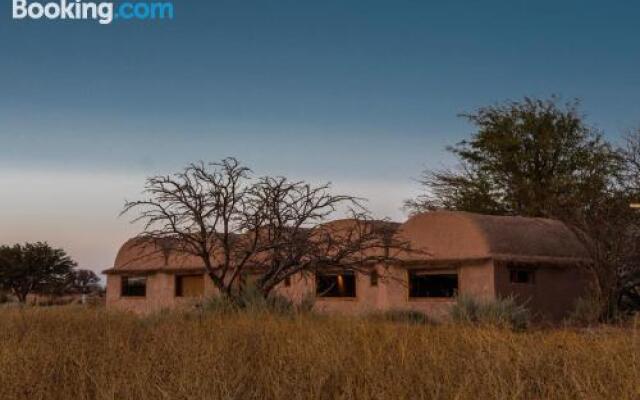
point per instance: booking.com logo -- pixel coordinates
(104, 12)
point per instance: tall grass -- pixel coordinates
(78, 353)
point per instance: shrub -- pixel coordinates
(252, 301)
(587, 311)
(502, 312)
(219, 304)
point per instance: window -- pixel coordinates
(374, 277)
(189, 285)
(522, 276)
(339, 284)
(429, 284)
(134, 286)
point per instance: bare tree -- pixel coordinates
(609, 230)
(271, 227)
(293, 238)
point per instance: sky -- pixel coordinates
(364, 94)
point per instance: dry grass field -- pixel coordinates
(76, 353)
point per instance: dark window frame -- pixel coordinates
(133, 291)
(327, 290)
(439, 288)
(522, 276)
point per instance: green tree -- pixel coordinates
(33, 267)
(533, 158)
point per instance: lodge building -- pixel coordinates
(540, 262)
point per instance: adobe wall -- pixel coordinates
(367, 297)
(396, 296)
(392, 292)
(554, 294)
(477, 280)
(160, 294)
(473, 279)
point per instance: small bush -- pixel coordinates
(502, 312)
(251, 301)
(587, 311)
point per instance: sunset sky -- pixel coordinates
(364, 94)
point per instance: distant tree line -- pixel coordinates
(539, 158)
(37, 268)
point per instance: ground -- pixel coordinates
(89, 353)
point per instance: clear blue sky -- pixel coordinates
(361, 93)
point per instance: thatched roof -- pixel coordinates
(461, 235)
